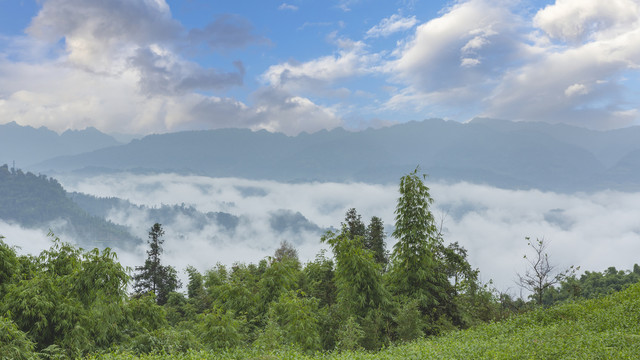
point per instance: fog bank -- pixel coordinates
(592, 230)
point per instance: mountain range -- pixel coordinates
(26, 145)
(500, 153)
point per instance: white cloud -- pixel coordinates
(121, 70)
(390, 25)
(445, 52)
(345, 5)
(482, 58)
(100, 35)
(276, 110)
(576, 90)
(285, 6)
(579, 20)
(538, 89)
(123, 66)
(469, 62)
(315, 75)
(594, 230)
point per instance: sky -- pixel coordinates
(155, 66)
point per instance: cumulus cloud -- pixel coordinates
(125, 66)
(271, 109)
(319, 74)
(394, 23)
(565, 64)
(458, 55)
(98, 34)
(536, 90)
(593, 230)
(161, 72)
(277, 110)
(576, 90)
(580, 20)
(121, 68)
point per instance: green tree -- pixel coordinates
(354, 224)
(297, 319)
(9, 265)
(14, 344)
(198, 297)
(279, 277)
(72, 300)
(319, 279)
(154, 277)
(361, 292)
(220, 330)
(358, 276)
(416, 270)
(286, 251)
(375, 241)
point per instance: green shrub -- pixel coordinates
(14, 344)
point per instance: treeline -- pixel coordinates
(592, 284)
(71, 302)
(101, 207)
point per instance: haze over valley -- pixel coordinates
(231, 219)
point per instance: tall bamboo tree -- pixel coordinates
(416, 270)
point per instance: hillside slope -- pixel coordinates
(35, 201)
(604, 328)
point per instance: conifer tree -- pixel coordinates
(154, 277)
(354, 224)
(374, 241)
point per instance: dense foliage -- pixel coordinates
(592, 284)
(603, 328)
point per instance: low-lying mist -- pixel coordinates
(592, 230)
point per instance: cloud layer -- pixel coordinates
(132, 66)
(122, 66)
(594, 230)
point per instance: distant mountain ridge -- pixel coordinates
(495, 152)
(27, 145)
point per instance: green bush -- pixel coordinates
(14, 344)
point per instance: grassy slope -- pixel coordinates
(605, 328)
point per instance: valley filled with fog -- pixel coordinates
(591, 230)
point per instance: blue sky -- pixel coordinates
(152, 66)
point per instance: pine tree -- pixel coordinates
(354, 224)
(153, 277)
(374, 241)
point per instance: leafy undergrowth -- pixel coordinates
(605, 328)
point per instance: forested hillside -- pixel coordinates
(103, 207)
(36, 201)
